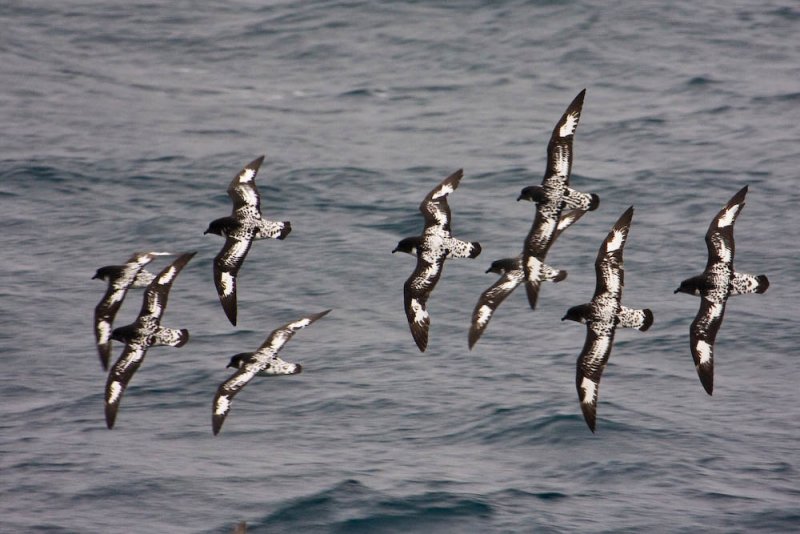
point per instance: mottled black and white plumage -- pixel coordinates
(145, 332)
(552, 196)
(603, 315)
(715, 285)
(431, 249)
(512, 275)
(120, 278)
(263, 362)
(240, 229)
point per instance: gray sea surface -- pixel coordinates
(123, 124)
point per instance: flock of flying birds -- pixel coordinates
(558, 207)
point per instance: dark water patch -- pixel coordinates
(781, 98)
(353, 507)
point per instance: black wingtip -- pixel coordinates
(111, 416)
(590, 416)
(256, 163)
(230, 312)
(420, 338)
(706, 374)
(104, 352)
(578, 100)
(594, 203)
(532, 290)
(474, 336)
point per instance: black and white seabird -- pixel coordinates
(512, 275)
(145, 332)
(602, 316)
(244, 225)
(715, 285)
(431, 249)
(552, 196)
(263, 362)
(120, 278)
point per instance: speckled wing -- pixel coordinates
(434, 206)
(244, 192)
(559, 149)
(416, 291)
(719, 237)
(255, 364)
(702, 335)
(567, 219)
(119, 376)
(490, 300)
(226, 267)
(537, 243)
(156, 294)
(608, 265)
(590, 365)
(278, 338)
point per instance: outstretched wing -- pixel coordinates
(702, 334)
(719, 237)
(490, 300)
(226, 267)
(559, 149)
(278, 338)
(608, 265)
(155, 296)
(434, 206)
(591, 363)
(416, 291)
(119, 377)
(243, 190)
(227, 390)
(104, 314)
(567, 219)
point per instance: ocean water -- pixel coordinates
(123, 125)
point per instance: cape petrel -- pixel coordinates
(512, 275)
(263, 362)
(602, 316)
(718, 281)
(552, 196)
(244, 225)
(431, 249)
(145, 332)
(120, 278)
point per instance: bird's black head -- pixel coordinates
(106, 273)
(691, 286)
(579, 313)
(223, 226)
(533, 193)
(409, 245)
(123, 333)
(502, 266)
(238, 360)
